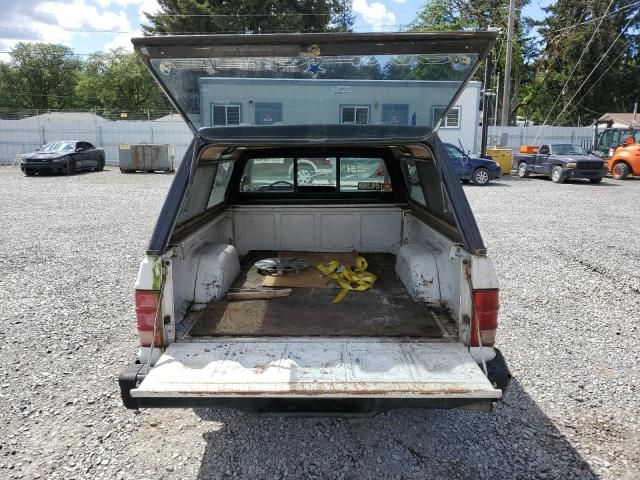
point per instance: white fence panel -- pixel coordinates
(22, 136)
(28, 134)
(513, 137)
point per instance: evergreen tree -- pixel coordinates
(250, 16)
(481, 15)
(559, 70)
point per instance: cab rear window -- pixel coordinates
(315, 174)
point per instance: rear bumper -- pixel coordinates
(497, 372)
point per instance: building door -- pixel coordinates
(268, 113)
(395, 114)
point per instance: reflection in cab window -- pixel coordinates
(268, 175)
(277, 174)
(359, 174)
(316, 171)
(315, 174)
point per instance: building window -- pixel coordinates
(452, 120)
(395, 114)
(354, 114)
(225, 114)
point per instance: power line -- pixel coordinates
(69, 30)
(575, 67)
(598, 64)
(556, 51)
(593, 84)
(248, 15)
(283, 14)
(81, 97)
(56, 54)
(114, 32)
(626, 7)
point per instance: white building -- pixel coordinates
(238, 101)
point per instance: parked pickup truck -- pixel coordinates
(415, 328)
(561, 162)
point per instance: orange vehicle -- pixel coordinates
(625, 160)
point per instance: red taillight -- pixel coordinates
(485, 316)
(146, 317)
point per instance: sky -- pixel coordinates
(98, 25)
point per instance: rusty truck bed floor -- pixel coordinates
(385, 310)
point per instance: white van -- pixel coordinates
(381, 294)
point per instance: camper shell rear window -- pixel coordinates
(301, 174)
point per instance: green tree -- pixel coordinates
(250, 16)
(559, 71)
(118, 81)
(39, 76)
(450, 15)
(7, 80)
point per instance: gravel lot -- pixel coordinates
(567, 257)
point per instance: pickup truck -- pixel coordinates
(398, 304)
(561, 162)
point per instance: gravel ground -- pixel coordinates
(567, 257)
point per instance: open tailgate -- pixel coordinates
(329, 368)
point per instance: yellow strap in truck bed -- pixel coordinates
(357, 279)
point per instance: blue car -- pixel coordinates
(480, 171)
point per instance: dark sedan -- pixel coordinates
(478, 170)
(67, 157)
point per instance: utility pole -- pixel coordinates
(506, 107)
(485, 106)
(495, 111)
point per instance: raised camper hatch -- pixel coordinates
(399, 79)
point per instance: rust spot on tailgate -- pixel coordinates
(338, 391)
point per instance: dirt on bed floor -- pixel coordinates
(386, 310)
